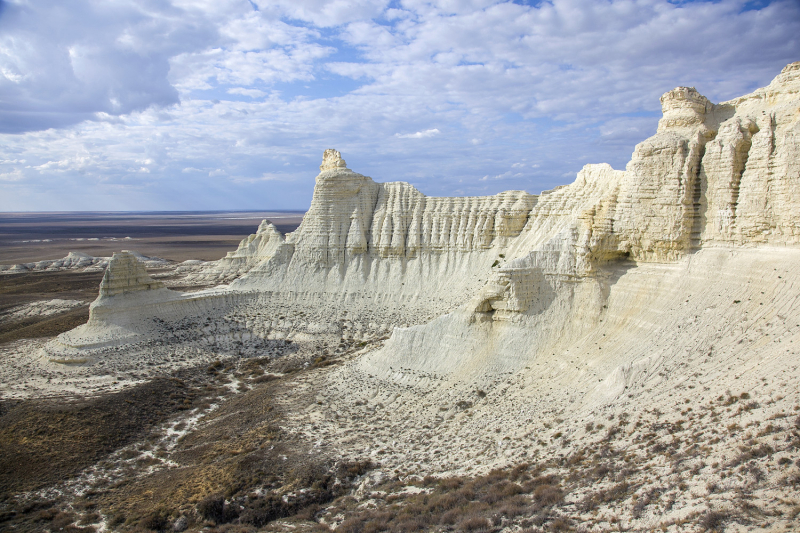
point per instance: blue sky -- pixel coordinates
(229, 104)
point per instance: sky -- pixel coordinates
(228, 104)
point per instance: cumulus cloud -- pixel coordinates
(63, 62)
(231, 103)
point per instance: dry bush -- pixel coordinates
(592, 500)
(530, 485)
(474, 523)
(450, 483)
(157, 520)
(410, 524)
(714, 520)
(560, 524)
(548, 495)
(215, 509)
(755, 452)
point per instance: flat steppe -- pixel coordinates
(175, 235)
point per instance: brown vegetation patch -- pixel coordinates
(50, 326)
(46, 441)
(17, 289)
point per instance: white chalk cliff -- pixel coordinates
(486, 285)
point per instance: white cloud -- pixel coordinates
(14, 175)
(252, 93)
(94, 93)
(326, 13)
(419, 134)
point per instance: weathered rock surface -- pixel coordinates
(126, 274)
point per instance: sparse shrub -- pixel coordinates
(475, 523)
(519, 472)
(260, 511)
(500, 491)
(441, 503)
(89, 518)
(515, 506)
(531, 485)
(450, 517)
(450, 483)
(713, 520)
(354, 468)
(559, 524)
(214, 508)
(157, 520)
(116, 520)
(749, 406)
(539, 519)
(600, 471)
(752, 453)
(351, 525)
(548, 495)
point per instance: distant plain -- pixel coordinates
(172, 235)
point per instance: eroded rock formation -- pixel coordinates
(713, 175)
(126, 274)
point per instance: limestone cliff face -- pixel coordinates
(713, 175)
(751, 171)
(267, 243)
(340, 215)
(126, 274)
(725, 174)
(350, 215)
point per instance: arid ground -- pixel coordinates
(177, 236)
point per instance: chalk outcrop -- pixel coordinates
(76, 261)
(267, 243)
(126, 274)
(712, 176)
(350, 215)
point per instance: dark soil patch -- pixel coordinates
(43, 442)
(50, 326)
(30, 286)
(17, 289)
(239, 449)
